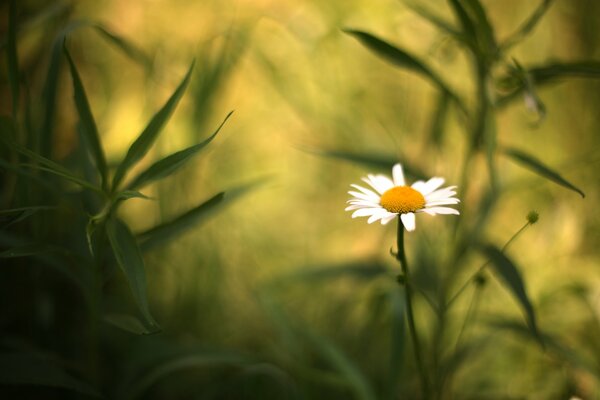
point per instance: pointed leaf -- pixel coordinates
(128, 48)
(511, 277)
(401, 59)
(539, 168)
(527, 26)
(128, 323)
(37, 370)
(129, 258)
(172, 163)
(169, 230)
(485, 31)
(146, 139)
(12, 56)
(88, 125)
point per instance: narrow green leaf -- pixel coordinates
(129, 258)
(197, 359)
(37, 370)
(27, 251)
(525, 29)
(485, 31)
(539, 168)
(131, 194)
(168, 231)
(88, 125)
(438, 122)
(342, 364)
(467, 25)
(445, 26)
(128, 48)
(547, 74)
(172, 163)
(511, 276)
(128, 323)
(383, 162)
(51, 88)
(14, 215)
(143, 143)
(399, 58)
(12, 58)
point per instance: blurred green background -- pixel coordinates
(278, 293)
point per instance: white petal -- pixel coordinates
(374, 218)
(365, 191)
(355, 207)
(388, 218)
(441, 193)
(363, 196)
(363, 212)
(408, 220)
(440, 210)
(398, 175)
(442, 202)
(429, 186)
(380, 183)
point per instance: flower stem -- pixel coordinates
(401, 257)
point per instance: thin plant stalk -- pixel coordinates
(401, 257)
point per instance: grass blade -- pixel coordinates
(434, 19)
(129, 258)
(528, 26)
(169, 230)
(37, 370)
(172, 163)
(383, 162)
(128, 48)
(88, 125)
(12, 57)
(539, 168)
(143, 143)
(484, 30)
(511, 276)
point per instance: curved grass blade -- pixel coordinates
(434, 19)
(88, 125)
(511, 277)
(378, 161)
(128, 48)
(14, 215)
(485, 32)
(525, 29)
(172, 163)
(467, 25)
(401, 58)
(170, 230)
(129, 258)
(146, 139)
(37, 370)
(546, 74)
(12, 58)
(128, 323)
(539, 168)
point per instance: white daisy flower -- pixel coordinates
(392, 197)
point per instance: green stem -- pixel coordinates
(401, 257)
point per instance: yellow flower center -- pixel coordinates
(402, 200)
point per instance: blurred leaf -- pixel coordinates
(398, 342)
(130, 194)
(12, 57)
(467, 25)
(445, 26)
(170, 230)
(143, 143)
(28, 250)
(484, 30)
(377, 161)
(536, 166)
(172, 163)
(128, 323)
(553, 344)
(194, 359)
(88, 125)
(128, 48)
(48, 165)
(546, 74)
(401, 59)
(33, 369)
(438, 122)
(509, 273)
(14, 215)
(51, 88)
(129, 258)
(313, 274)
(525, 29)
(342, 364)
